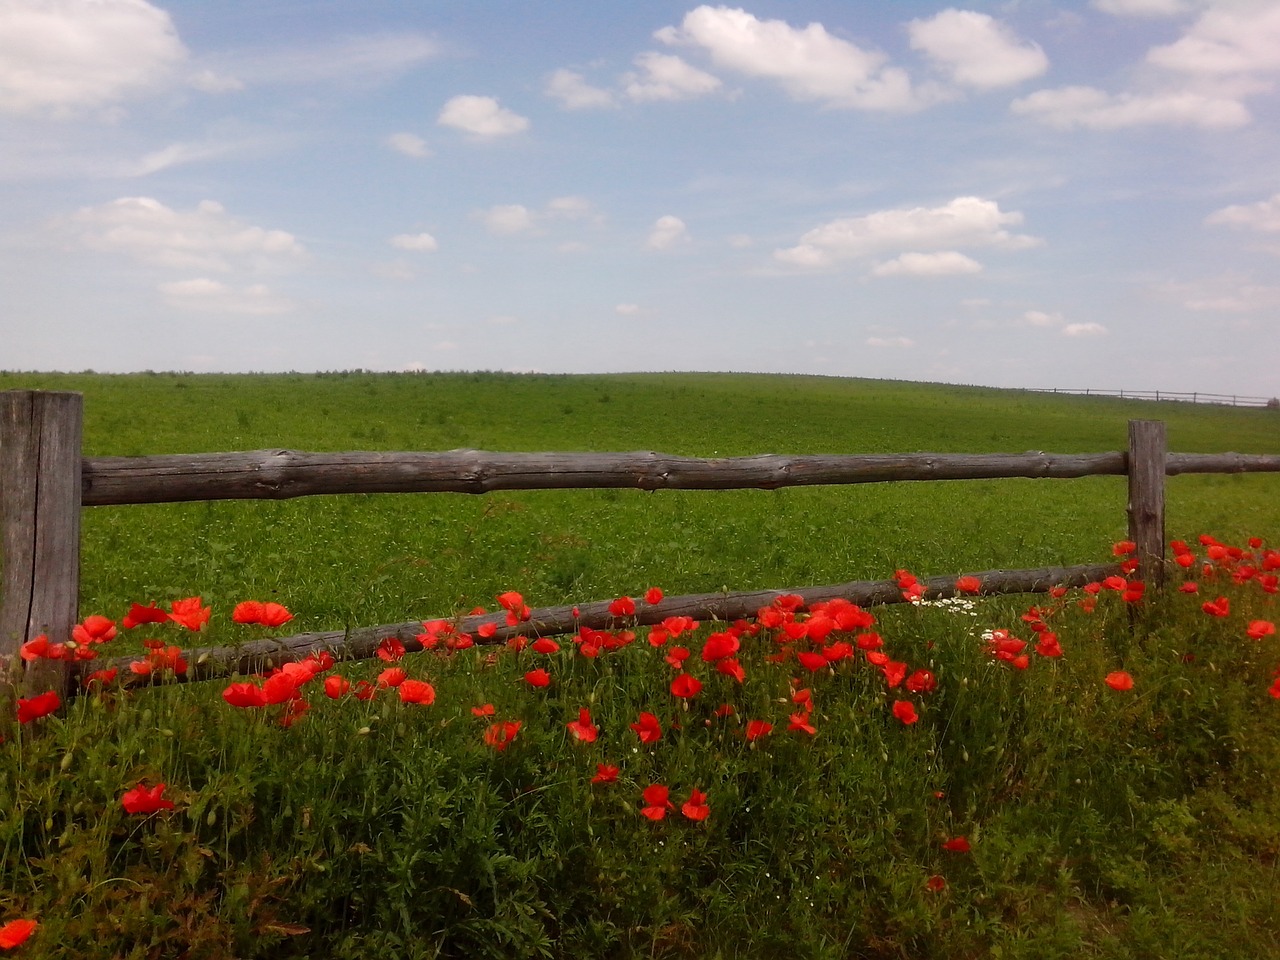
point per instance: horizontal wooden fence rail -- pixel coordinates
(45, 482)
(283, 474)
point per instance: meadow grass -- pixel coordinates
(1102, 823)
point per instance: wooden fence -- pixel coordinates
(1181, 396)
(45, 482)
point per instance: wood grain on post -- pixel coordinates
(40, 481)
(1147, 455)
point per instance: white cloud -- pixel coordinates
(213, 296)
(627, 309)
(574, 93)
(901, 343)
(481, 117)
(976, 50)
(964, 222)
(363, 60)
(208, 81)
(808, 62)
(512, 218)
(1144, 8)
(1069, 108)
(1230, 38)
(507, 219)
(418, 242)
(1084, 330)
(1263, 215)
(665, 77)
(409, 144)
(60, 56)
(177, 154)
(667, 232)
(206, 238)
(941, 264)
(1242, 298)
(1038, 318)
(572, 208)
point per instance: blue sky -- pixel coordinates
(1012, 194)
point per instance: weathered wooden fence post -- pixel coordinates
(1146, 497)
(40, 467)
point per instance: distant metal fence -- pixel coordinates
(1181, 396)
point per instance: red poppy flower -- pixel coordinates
(1133, 591)
(922, 681)
(582, 728)
(957, 845)
(719, 646)
(244, 695)
(647, 728)
(189, 613)
(538, 678)
(696, 808)
(653, 596)
(274, 614)
(39, 647)
(365, 690)
(1189, 587)
(336, 686)
(280, 687)
(657, 802)
(15, 933)
(38, 706)
(869, 641)
(390, 650)
(905, 711)
(487, 630)
(145, 801)
(676, 656)
(1123, 548)
(138, 614)
(894, 672)
(969, 584)
(94, 629)
(1259, 629)
(417, 691)
(484, 710)
(730, 667)
(101, 676)
(605, 774)
(1048, 646)
(499, 735)
(392, 677)
(685, 685)
(724, 710)
(799, 723)
(1119, 680)
(935, 884)
(757, 729)
(545, 645)
(1114, 582)
(1217, 608)
(622, 607)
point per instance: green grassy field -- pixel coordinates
(387, 558)
(1099, 822)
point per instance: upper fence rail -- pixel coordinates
(283, 474)
(1183, 396)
